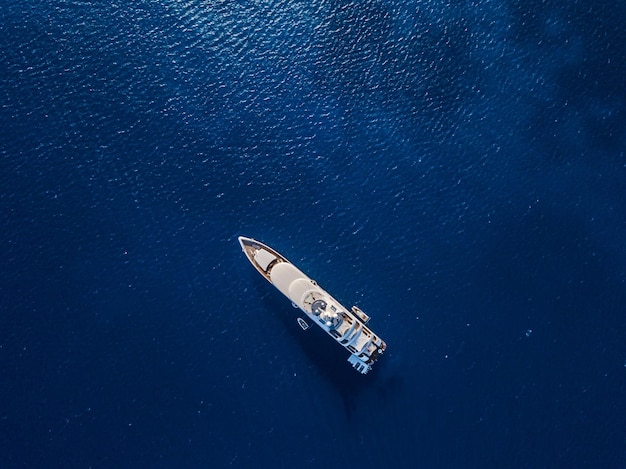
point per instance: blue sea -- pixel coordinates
(456, 169)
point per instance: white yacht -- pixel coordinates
(348, 328)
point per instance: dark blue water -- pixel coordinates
(456, 169)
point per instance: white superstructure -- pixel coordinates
(348, 328)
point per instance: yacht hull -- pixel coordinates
(347, 327)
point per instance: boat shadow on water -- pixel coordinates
(330, 360)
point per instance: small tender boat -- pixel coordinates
(348, 328)
(303, 324)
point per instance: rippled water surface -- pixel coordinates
(454, 168)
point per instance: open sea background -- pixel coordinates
(455, 168)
